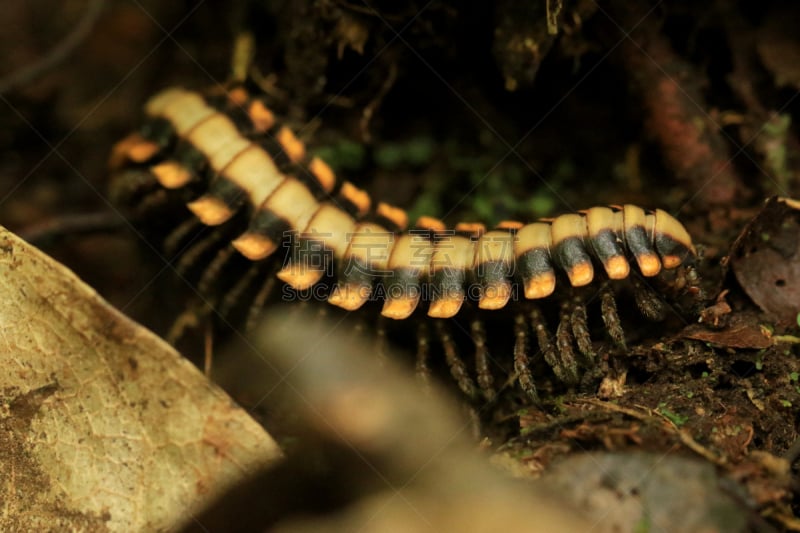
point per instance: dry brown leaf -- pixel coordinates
(742, 330)
(103, 426)
(766, 259)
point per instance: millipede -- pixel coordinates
(251, 188)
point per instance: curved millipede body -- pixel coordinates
(251, 183)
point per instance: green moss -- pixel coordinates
(673, 417)
(416, 151)
(344, 155)
(427, 203)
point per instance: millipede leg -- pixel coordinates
(233, 296)
(457, 367)
(580, 330)
(258, 303)
(208, 350)
(608, 308)
(567, 367)
(211, 273)
(188, 319)
(190, 256)
(135, 183)
(151, 201)
(521, 361)
(648, 301)
(485, 379)
(543, 338)
(176, 236)
(421, 367)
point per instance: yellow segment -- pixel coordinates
(667, 224)
(134, 148)
(473, 229)
(349, 297)
(531, 236)
(510, 224)
(238, 96)
(445, 308)
(602, 218)
(568, 226)
(617, 267)
(400, 308)
(331, 226)
(495, 246)
(143, 151)
(453, 252)
(184, 112)
(634, 215)
(359, 198)
(300, 276)
(412, 252)
(157, 103)
(293, 202)
(213, 137)
(254, 171)
(254, 246)
(210, 210)
(171, 174)
(540, 286)
(323, 173)
(671, 261)
(372, 245)
(262, 118)
(394, 214)
(580, 274)
(649, 264)
(495, 295)
(293, 147)
(430, 223)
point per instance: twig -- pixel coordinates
(667, 424)
(69, 225)
(373, 105)
(58, 53)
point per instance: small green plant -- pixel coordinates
(673, 417)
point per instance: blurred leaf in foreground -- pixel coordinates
(103, 426)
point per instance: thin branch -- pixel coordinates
(58, 53)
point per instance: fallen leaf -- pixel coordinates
(741, 330)
(103, 426)
(766, 259)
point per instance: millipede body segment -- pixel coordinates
(252, 184)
